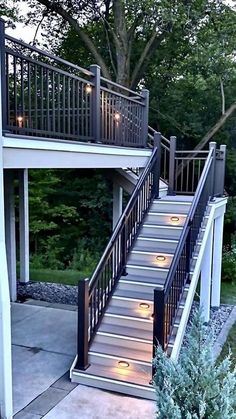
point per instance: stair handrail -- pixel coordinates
(167, 299)
(94, 294)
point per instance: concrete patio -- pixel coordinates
(44, 346)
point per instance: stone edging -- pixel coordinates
(222, 337)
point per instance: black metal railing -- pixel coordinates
(94, 294)
(44, 95)
(166, 154)
(189, 166)
(167, 300)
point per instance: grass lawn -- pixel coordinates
(68, 277)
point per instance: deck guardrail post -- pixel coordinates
(3, 75)
(171, 187)
(220, 171)
(158, 320)
(145, 95)
(212, 145)
(157, 166)
(95, 105)
(82, 331)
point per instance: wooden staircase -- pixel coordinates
(120, 356)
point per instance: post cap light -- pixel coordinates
(123, 364)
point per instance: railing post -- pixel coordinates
(3, 75)
(82, 331)
(157, 166)
(158, 320)
(171, 187)
(145, 95)
(95, 105)
(219, 181)
(212, 145)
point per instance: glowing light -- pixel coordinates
(88, 88)
(20, 121)
(175, 219)
(144, 306)
(160, 258)
(117, 117)
(123, 364)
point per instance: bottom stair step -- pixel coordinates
(121, 380)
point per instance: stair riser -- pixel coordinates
(155, 246)
(114, 386)
(124, 343)
(133, 305)
(159, 275)
(163, 192)
(170, 207)
(113, 363)
(128, 322)
(164, 220)
(149, 260)
(160, 233)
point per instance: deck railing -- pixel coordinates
(94, 294)
(46, 96)
(167, 300)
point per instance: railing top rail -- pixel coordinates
(188, 220)
(122, 218)
(49, 67)
(191, 151)
(48, 55)
(113, 92)
(120, 86)
(162, 136)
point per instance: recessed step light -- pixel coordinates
(160, 258)
(174, 219)
(144, 306)
(123, 364)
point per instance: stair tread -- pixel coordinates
(141, 278)
(141, 378)
(127, 331)
(108, 349)
(126, 311)
(134, 294)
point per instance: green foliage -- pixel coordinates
(229, 265)
(195, 387)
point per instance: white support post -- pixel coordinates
(117, 203)
(6, 406)
(24, 225)
(206, 268)
(10, 231)
(217, 261)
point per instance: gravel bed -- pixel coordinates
(218, 317)
(67, 294)
(49, 292)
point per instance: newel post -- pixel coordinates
(171, 188)
(220, 171)
(3, 75)
(158, 320)
(145, 95)
(95, 103)
(82, 333)
(212, 191)
(157, 166)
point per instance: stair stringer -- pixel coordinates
(195, 273)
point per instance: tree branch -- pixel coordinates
(57, 8)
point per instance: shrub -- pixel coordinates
(195, 387)
(229, 265)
